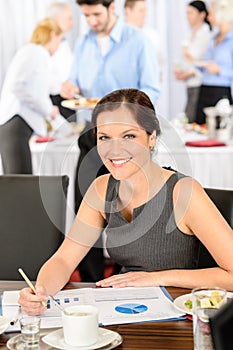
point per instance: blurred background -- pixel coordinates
(18, 19)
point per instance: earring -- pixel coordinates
(152, 148)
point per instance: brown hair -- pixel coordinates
(105, 3)
(135, 101)
(42, 33)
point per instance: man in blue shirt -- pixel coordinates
(112, 55)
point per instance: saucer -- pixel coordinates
(16, 343)
(107, 340)
(55, 339)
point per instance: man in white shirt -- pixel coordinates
(61, 61)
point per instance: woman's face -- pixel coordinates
(123, 145)
(194, 17)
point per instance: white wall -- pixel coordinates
(18, 19)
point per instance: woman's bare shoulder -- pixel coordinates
(96, 193)
(101, 184)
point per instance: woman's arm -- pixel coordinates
(55, 273)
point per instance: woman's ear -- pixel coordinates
(152, 139)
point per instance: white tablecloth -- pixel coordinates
(211, 166)
(59, 157)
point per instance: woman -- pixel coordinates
(25, 103)
(217, 76)
(194, 50)
(155, 216)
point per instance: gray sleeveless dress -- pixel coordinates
(152, 240)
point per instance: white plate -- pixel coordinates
(4, 324)
(107, 339)
(75, 104)
(179, 302)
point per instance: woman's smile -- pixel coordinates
(120, 162)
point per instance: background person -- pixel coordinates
(155, 217)
(217, 77)
(135, 15)
(61, 61)
(25, 103)
(194, 50)
(110, 56)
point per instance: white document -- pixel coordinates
(116, 306)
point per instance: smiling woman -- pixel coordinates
(125, 131)
(153, 217)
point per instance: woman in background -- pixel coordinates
(25, 103)
(217, 77)
(194, 50)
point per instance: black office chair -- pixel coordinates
(221, 325)
(32, 222)
(223, 199)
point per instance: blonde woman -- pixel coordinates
(25, 102)
(217, 77)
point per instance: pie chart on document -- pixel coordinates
(131, 308)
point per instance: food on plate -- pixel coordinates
(188, 304)
(82, 101)
(206, 301)
(201, 129)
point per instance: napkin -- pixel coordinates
(205, 143)
(40, 139)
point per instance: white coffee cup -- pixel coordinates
(80, 325)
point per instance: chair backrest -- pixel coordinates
(32, 222)
(223, 199)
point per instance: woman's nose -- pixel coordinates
(112, 147)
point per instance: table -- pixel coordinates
(150, 335)
(211, 166)
(59, 157)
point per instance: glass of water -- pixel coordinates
(206, 302)
(30, 330)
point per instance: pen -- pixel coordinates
(29, 283)
(16, 318)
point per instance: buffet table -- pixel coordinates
(59, 157)
(211, 166)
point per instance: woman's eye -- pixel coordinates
(129, 136)
(103, 138)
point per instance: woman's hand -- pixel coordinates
(130, 279)
(33, 304)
